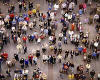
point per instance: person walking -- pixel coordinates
(25, 49)
(30, 57)
(22, 63)
(66, 54)
(16, 57)
(92, 74)
(20, 6)
(88, 67)
(26, 63)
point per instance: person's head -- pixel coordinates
(30, 54)
(20, 3)
(93, 70)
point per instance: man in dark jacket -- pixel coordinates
(25, 49)
(92, 73)
(16, 57)
(30, 5)
(20, 7)
(22, 63)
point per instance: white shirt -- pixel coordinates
(19, 46)
(56, 7)
(35, 58)
(59, 57)
(60, 35)
(1, 22)
(3, 29)
(71, 32)
(39, 40)
(35, 33)
(13, 28)
(71, 5)
(51, 38)
(88, 66)
(45, 57)
(62, 12)
(69, 16)
(64, 5)
(96, 16)
(8, 62)
(25, 71)
(30, 25)
(96, 44)
(25, 23)
(98, 75)
(18, 40)
(52, 15)
(24, 27)
(42, 29)
(66, 15)
(46, 31)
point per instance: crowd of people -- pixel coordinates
(31, 25)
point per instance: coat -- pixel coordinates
(84, 50)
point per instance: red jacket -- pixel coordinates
(11, 15)
(24, 38)
(5, 55)
(44, 16)
(30, 57)
(84, 50)
(27, 19)
(42, 36)
(81, 6)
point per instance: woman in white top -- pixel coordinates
(45, 58)
(30, 25)
(24, 28)
(88, 66)
(39, 40)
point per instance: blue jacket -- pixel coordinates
(80, 12)
(26, 61)
(25, 15)
(32, 37)
(80, 49)
(16, 17)
(13, 22)
(94, 54)
(20, 19)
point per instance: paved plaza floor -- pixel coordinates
(52, 71)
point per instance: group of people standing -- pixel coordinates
(31, 26)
